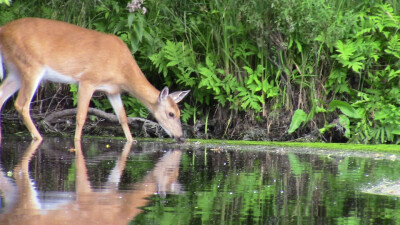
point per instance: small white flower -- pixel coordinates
(136, 5)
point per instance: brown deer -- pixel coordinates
(36, 50)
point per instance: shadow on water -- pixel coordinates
(110, 182)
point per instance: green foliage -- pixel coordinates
(176, 62)
(300, 117)
(252, 95)
(330, 59)
(344, 121)
(376, 40)
(7, 2)
(134, 107)
(74, 91)
(370, 56)
(188, 112)
(210, 81)
(113, 17)
(11, 13)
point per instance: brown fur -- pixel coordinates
(33, 47)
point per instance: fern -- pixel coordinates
(134, 108)
(187, 112)
(254, 78)
(160, 63)
(187, 77)
(174, 57)
(348, 55)
(384, 17)
(270, 88)
(250, 100)
(209, 79)
(393, 47)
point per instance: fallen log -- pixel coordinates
(51, 122)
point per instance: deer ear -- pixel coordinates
(178, 95)
(163, 94)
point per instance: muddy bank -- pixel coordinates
(99, 123)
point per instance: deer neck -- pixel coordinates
(141, 88)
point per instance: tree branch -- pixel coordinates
(52, 118)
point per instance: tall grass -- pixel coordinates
(76, 12)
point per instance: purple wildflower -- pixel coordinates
(136, 5)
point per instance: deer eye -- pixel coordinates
(171, 114)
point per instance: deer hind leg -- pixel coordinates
(116, 103)
(8, 87)
(30, 80)
(85, 93)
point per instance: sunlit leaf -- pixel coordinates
(345, 108)
(298, 118)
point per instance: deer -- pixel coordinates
(35, 50)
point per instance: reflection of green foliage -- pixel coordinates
(71, 177)
(298, 168)
(243, 194)
(348, 220)
(137, 167)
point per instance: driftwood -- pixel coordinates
(110, 117)
(51, 120)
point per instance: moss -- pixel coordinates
(330, 146)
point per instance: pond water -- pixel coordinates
(103, 181)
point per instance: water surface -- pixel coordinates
(104, 181)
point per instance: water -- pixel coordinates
(103, 181)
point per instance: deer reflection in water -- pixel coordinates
(108, 206)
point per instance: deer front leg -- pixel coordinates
(115, 100)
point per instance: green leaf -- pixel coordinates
(131, 16)
(345, 108)
(397, 132)
(299, 47)
(345, 122)
(298, 118)
(7, 2)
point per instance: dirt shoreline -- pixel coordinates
(97, 124)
